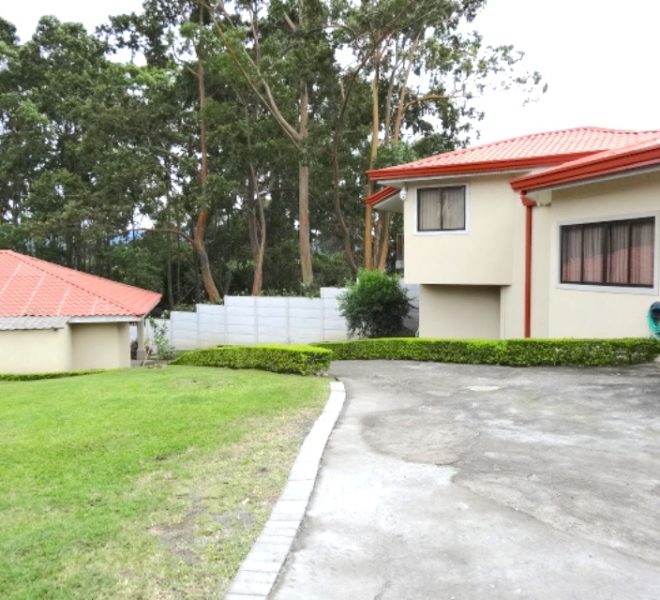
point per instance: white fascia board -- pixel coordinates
(399, 183)
(108, 319)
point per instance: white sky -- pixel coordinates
(597, 56)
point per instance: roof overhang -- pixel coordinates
(403, 172)
(599, 168)
(32, 323)
(105, 319)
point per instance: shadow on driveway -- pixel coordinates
(458, 481)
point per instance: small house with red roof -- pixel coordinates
(58, 319)
(548, 235)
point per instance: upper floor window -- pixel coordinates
(441, 209)
(613, 253)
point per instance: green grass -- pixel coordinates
(149, 483)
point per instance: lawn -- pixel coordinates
(147, 483)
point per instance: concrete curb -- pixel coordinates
(259, 571)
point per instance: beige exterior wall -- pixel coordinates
(483, 254)
(482, 270)
(35, 351)
(447, 311)
(100, 346)
(580, 311)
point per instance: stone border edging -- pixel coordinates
(259, 571)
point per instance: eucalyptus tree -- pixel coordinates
(424, 68)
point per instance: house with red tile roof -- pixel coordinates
(548, 235)
(57, 319)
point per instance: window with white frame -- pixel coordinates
(441, 208)
(609, 253)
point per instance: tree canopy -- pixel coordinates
(228, 155)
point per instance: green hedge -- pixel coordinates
(518, 353)
(304, 360)
(36, 376)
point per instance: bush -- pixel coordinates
(53, 375)
(375, 305)
(304, 360)
(518, 353)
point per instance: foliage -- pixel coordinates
(53, 375)
(515, 353)
(375, 305)
(143, 483)
(103, 162)
(164, 348)
(303, 360)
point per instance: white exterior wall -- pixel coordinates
(264, 320)
(35, 351)
(100, 346)
(598, 311)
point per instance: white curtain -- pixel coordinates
(453, 208)
(429, 210)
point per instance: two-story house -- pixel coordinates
(547, 235)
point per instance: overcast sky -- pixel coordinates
(598, 57)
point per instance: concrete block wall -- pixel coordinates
(263, 320)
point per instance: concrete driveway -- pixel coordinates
(460, 482)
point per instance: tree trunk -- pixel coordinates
(304, 233)
(202, 219)
(383, 240)
(257, 231)
(375, 123)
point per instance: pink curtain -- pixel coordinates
(641, 252)
(593, 237)
(617, 253)
(617, 263)
(571, 252)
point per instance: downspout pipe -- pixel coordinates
(529, 205)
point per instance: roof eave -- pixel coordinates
(610, 165)
(403, 172)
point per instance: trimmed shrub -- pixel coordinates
(303, 360)
(518, 353)
(37, 376)
(375, 305)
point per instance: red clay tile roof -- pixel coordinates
(635, 156)
(33, 287)
(535, 150)
(380, 195)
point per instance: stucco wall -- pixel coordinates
(35, 351)
(448, 311)
(100, 346)
(577, 311)
(482, 255)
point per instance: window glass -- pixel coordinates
(609, 253)
(441, 209)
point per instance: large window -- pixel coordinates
(441, 209)
(616, 253)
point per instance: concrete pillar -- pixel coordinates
(141, 353)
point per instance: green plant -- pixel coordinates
(375, 305)
(518, 353)
(164, 348)
(37, 376)
(304, 360)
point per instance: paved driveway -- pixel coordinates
(462, 482)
